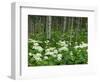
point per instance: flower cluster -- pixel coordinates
(82, 45)
(63, 52)
(51, 51)
(36, 45)
(63, 46)
(59, 57)
(36, 56)
(63, 43)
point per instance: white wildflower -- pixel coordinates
(39, 48)
(47, 50)
(59, 55)
(83, 45)
(49, 53)
(55, 51)
(36, 44)
(77, 47)
(30, 54)
(45, 57)
(37, 57)
(87, 50)
(38, 54)
(59, 58)
(63, 49)
(50, 49)
(82, 42)
(47, 41)
(62, 43)
(31, 40)
(54, 55)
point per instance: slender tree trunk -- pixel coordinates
(30, 24)
(39, 25)
(64, 28)
(48, 27)
(71, 28)
(78, 27)
(34, 25)
(69, 23)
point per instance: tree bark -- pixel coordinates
(48, 27)
(30, 25)
(71, 28)
(78, 27)
(64, 28)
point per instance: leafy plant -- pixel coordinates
(57, 51)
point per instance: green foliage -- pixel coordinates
(58, 50)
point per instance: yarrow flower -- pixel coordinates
(45, 53)
(63, 49)
(37, 56)
(47, 41)
(38, 59)
(51, 54)
(51, 51)
(30, 54)
(82, 45)
(36, 44)
(38, 48)
(87, 50)
(55, 51)
(62, 43)
(33, 41)
(45, 57)
(77, 47)
(59, 57)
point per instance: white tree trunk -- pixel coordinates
(78, 27)
(48, 27)
(71, 28)
(64, 28)
(30, 25)
(69, 23)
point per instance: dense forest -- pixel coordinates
(57, 40)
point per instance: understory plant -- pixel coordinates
(61, 49)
